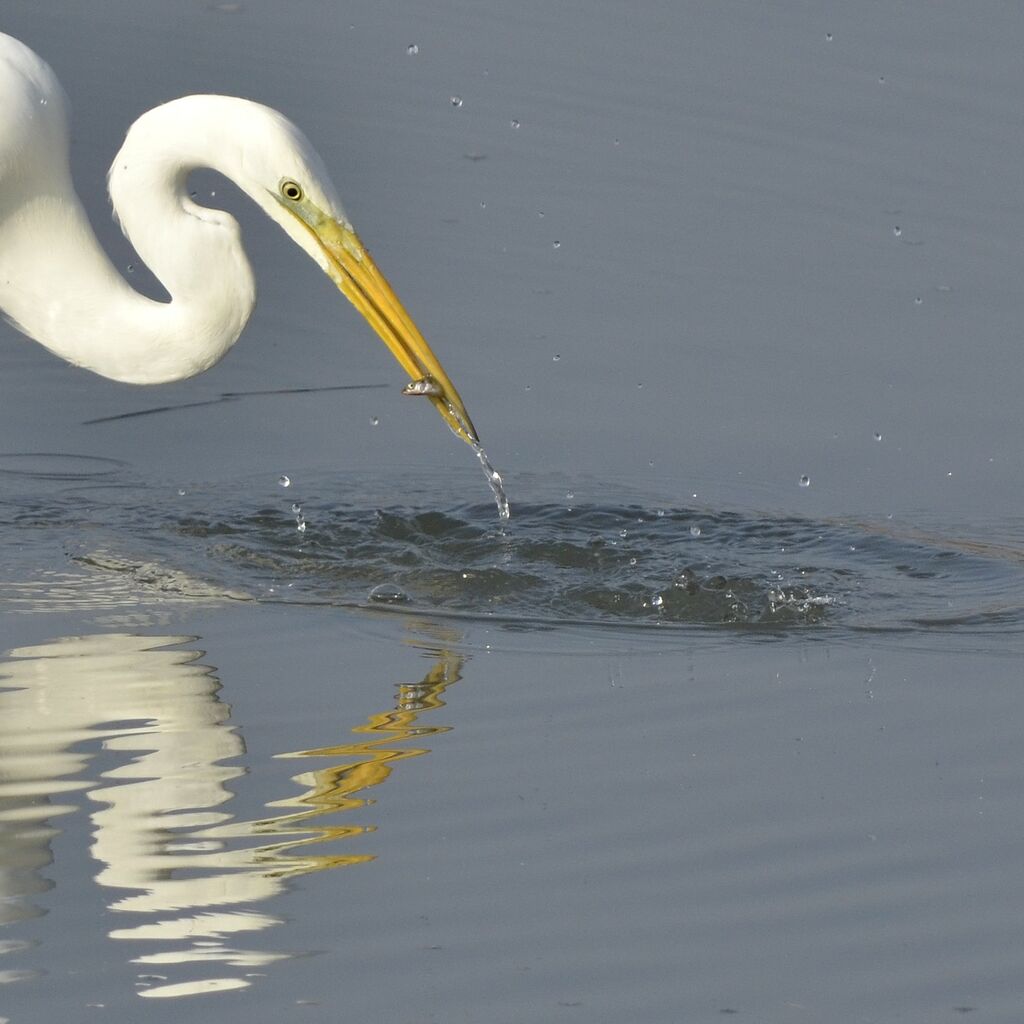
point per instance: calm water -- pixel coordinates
(724, 721)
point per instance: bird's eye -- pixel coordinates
(291, 190)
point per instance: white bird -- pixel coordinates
(59, 287)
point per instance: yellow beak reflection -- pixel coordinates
(352, 269)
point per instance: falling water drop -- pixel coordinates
(456, 101)
(805, 481)
(515, 123)
(284, 481)
(412, 49)
(878, 435)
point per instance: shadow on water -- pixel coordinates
(346, 543)
(133, 730)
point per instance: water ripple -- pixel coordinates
(628, 564)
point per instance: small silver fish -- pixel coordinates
(424, 386)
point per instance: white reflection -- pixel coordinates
(167, 846)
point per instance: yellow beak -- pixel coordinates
(352, 269)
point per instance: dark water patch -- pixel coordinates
(628, 564)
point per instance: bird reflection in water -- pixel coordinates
(167, 843)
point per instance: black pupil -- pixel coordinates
(291, 191)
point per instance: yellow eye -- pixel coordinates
(291, 190)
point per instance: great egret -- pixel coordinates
(58, 286)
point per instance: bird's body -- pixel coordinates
(58, 285)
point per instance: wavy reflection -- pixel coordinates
(136, 724)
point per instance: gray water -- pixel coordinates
(724, 721)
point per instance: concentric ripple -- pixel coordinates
(628, 564)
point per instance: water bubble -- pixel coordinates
(878, 435)
(284, 481)
(374, 421)
(897, 231)
(695, 531)
(456, 101)
(412, 49)
(388, 593)
(805, 481)
(556, 244)
(515, 123)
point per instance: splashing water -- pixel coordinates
(494, 482)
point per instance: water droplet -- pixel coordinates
(301, 526)
(514, 123)
(695, 531)
(556, 244)
(284, 481)
(212, 194)
(660, 513)
(918, 300)
(374, 421)
(828, 36)
(639, 387)
(623, 533)
(878, 435)
(131, 268)
(615, 142)
(555, 358)
(456, 101)
(412, 49)
(388, 593)
(526, 388)
(805, 481)
(897, 231)
(483, 205)
(632, 561)
(881, 79)
(43, 101)
(569, 495)
(657, 601)
(540, 213)
(296, 508)
(194, 195)
(182, 492)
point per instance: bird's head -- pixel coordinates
(271, 160)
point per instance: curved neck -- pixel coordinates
(60, 287)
